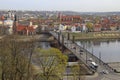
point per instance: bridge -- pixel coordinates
(75, 49)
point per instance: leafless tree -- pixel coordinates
(15, 58)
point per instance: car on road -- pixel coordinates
(105, 72)
(90, 59)
(93, 65)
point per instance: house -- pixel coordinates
(69, 19)
(83, 28)
(78, 28)
(97, 27)
(105, 27)
(25, 30)
(73, 28)
(62, 27)
(113, 27)
(8, 26)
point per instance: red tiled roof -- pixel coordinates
(70, 17)
(2, 18)
(24, 28)
(106, 21)
(21, 27)
(97, 25)
(112, 25)
(30, 28)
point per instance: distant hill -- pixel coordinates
(44, 13)
(90, 13)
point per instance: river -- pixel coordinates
(43, 45)
(107, 50)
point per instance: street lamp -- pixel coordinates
(86, 54)
(92, 52)
(99, 57)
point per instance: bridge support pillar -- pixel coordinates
(73, 39)
(68, 36)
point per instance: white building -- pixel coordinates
(62, 27)
(34, 26)
(73, 29)
(9, 26)
(84, 28)
(8, 22)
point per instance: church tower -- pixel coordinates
(15, 24)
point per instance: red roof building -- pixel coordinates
(97, 27)
(2, 18)
(70, 19)
(25, 30)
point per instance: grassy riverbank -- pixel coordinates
(93, 35)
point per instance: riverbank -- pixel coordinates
(115, 66)
(41, 37)
(93, 35)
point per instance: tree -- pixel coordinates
(89, 26)
(15, 59)
(97, 19)
(76, 71)
(52, 63)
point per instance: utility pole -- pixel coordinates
(86, 54)
(62, 43)
(92, 52)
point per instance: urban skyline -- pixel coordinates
(62, 5)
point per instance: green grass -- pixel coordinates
(93, 35)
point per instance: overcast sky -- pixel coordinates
(62, 5)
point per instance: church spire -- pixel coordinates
(15, 19)
(15, 24)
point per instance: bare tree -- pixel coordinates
(52, 64)
(15, 58)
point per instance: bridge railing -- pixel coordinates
(97, 60)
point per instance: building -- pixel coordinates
(25, 30)
(73, 29)
(62, 27)
(97, 27)
(69, 19)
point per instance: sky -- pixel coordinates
(62, 5)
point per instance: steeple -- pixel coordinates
(15, 19)
(15, 24)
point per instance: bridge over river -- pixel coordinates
(73, 47)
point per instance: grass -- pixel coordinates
(93, 35)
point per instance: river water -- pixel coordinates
(107, 50)
(43, 45)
